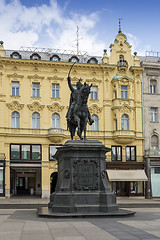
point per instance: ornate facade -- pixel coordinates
(34, 98)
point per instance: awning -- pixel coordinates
(126, 175)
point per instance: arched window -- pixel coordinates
(121, 60)
(15, 120)
(95, 125)
(36, 120)
(55, 120)
(154, 142)
(125, 122)
(35, 56)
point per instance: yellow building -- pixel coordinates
(34, 99)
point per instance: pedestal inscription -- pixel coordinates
(85, 175)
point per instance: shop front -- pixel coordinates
(127, 182)
(25, 181)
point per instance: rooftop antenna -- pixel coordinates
(120, 25)
(78, 40)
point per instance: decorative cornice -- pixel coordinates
(94, 109)
(36, 77)
(15, 75)
(124, 108)
(15, 105)
(35, 106)
(93, 80)
(55, 78)
(122, 79)
(55, 107)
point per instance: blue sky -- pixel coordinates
(53, 24)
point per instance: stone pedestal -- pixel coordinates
(82, 185)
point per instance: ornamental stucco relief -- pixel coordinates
(15, 105)
(35, 106)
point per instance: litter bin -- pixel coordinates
(31, 191)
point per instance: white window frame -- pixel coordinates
(55, 120)
(153, 114)
(55, 90)
(15, 88)
(35, 120)
(94, 93)
(125, 122)
(15, 120)
(95, 125)
(35, 89)
(124, 91)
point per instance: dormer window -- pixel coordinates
(55, 58)
(16, 55)
(92, 61)
(74, 59)
(35, 56)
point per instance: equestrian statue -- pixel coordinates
(78, 113)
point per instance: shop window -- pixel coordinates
(153, 114)
(116, 153)
(130, 153)
(157, 170)
(94, 93)
(124, 91)
(35, 90)
(95, 125)
(25, 152)
(55, 90)
(116, 188)
(134, 188)
(15, 120)
(125, 122)
(15, 88)
(55, 120)
(36, 120)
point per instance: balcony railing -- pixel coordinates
(152, 152)
(55, 131)
(123, 64)
(56, 135)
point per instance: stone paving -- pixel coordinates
(24, 224)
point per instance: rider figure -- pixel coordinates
(74, 98)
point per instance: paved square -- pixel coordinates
(26, 225)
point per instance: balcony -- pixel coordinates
(124, 136)
(152, 152)
(122, 65)
(55, 135)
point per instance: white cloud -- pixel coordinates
(137, 44)
(48, 27)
